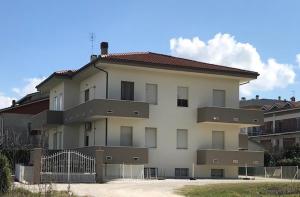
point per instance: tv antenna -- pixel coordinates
(92, 40)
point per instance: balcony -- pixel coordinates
(244, 117)
(46, 118)
(98, 108)
(118, 154)
(232, 158)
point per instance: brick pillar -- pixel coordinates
(35, 158)
(99, 154)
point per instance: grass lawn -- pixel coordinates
(25, 193)
(243, 190)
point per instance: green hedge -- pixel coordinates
(16, 156)
(5, 174)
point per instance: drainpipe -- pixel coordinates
(106, 96)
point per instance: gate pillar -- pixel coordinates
(35, 158)
(99, 155)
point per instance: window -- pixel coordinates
(150, 173)
(151, 93)
(218, 139)
(86, 95)
(55, 103)
(59, 141)
(60, 102)
(182, 139)
(86, 139)
(219, 98)
(126, 136)
(55, 140)
(298, 123)
(150, 137)
(217, 173)
(181, 172)
(182, 97)
(127, 90)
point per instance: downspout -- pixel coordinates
(106, 96)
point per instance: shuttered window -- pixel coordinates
(151, 93)
(219, 98)
(218, 139)
(55, 103)
(150, 137)
(182, 139)
(182, 96)
(127, 90)
(126, 136)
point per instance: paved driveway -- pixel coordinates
(137, 188)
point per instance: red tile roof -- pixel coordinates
(161, 59)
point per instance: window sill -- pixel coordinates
(181, 148)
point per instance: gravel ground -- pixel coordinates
(137, 188)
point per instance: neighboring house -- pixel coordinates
(186, 113)
(281, 127)
(15, 131)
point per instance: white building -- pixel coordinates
(183, 115)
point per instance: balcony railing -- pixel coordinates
(227, 157)
(230, 115)
(106, 108)
(46, 118)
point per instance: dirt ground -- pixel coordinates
(137, 188)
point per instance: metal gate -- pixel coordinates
(68, 166)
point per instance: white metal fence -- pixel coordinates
(67, 166)
(124, 171)
(281, 172)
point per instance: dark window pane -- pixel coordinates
(127, 90)
(86, 95)
(182, 102)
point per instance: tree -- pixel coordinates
(5, 174)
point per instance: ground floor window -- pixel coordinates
(217, 173)
(181, 172)
(150, 173)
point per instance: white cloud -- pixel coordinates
(223, 49)
(29, 87)
(298, 59)
(5, 101)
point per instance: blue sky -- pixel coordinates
(39, 37)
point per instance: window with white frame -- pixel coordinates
(182, 96)
(60, 102)
(150, 137)
(182, 138)
(219, 98)
(151, 93)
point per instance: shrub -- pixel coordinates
(5, 174)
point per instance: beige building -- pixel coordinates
(178, 117)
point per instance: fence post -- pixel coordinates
(99, 154)
(193, 171)
(246, 170)
(265, 172)
(36, 160)
(69, 158)
(281, 172)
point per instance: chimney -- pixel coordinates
(293, 99)
(279, 98)
(104, 48)
(257, 97)
(243, 98)
(13, 103)
(93, 57)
